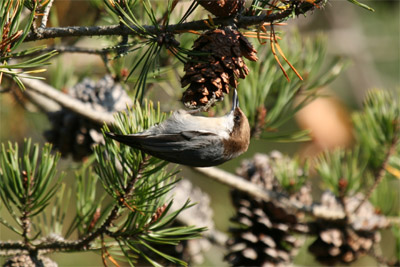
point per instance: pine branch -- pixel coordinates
(380, 174)
(69, 102)
(75, 49)
(26, 223)
(45, 15)
(84, 242)
(253, 190)
(129, 188)
(12, 245)
(42, 102)
(78, 31)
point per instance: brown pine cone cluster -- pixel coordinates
(222, 8)
(215, 64)
(338, 242)
(264, 238)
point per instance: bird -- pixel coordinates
(195, 141)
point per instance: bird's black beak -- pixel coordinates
(235, 101)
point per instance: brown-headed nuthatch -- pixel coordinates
(194, 140)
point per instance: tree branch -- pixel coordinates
(241, 22)
(74, 49)
(84, 242)
(42, 102)
(255, 191)
(68, 102)
(45, 17)
(12, 245)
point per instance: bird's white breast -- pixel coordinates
(182, 121)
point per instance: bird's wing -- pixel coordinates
(193, 148)
(165, 142)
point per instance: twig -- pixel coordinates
(242, 22)
(12, 245)
(267, 195)
(33, 26)
(69, 102)
(45, 17)
(382, 171)
(26, 225)
(84, 242)
(342, 201)
(74, 49)
(131, 185)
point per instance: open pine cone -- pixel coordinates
(338, 242)
(216, 64)
(265, 237)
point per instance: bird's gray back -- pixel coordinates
(199, 151)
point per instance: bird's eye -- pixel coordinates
(237, 118)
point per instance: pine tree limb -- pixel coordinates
(255, 191)
(69, 102)
(78, 31)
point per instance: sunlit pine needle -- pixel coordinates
(284, 57)
(272, 42)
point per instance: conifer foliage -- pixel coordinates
(130, 207)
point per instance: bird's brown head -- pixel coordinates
(239, 138)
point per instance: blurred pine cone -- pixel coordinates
(222, 8)
(215, 64)
(73, 134)
(342, 242)
(28, 261)
(200, 215)
(265, 236)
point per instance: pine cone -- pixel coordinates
(28, 261)
(200, 215)
(76, 135)
(338, 242)
(265, 237)
(216, 64)
(222, 8)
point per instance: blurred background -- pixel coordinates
(370, 42)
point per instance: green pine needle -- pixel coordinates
(361, 5)
(28, 182)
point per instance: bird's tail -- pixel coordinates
(129, 140)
